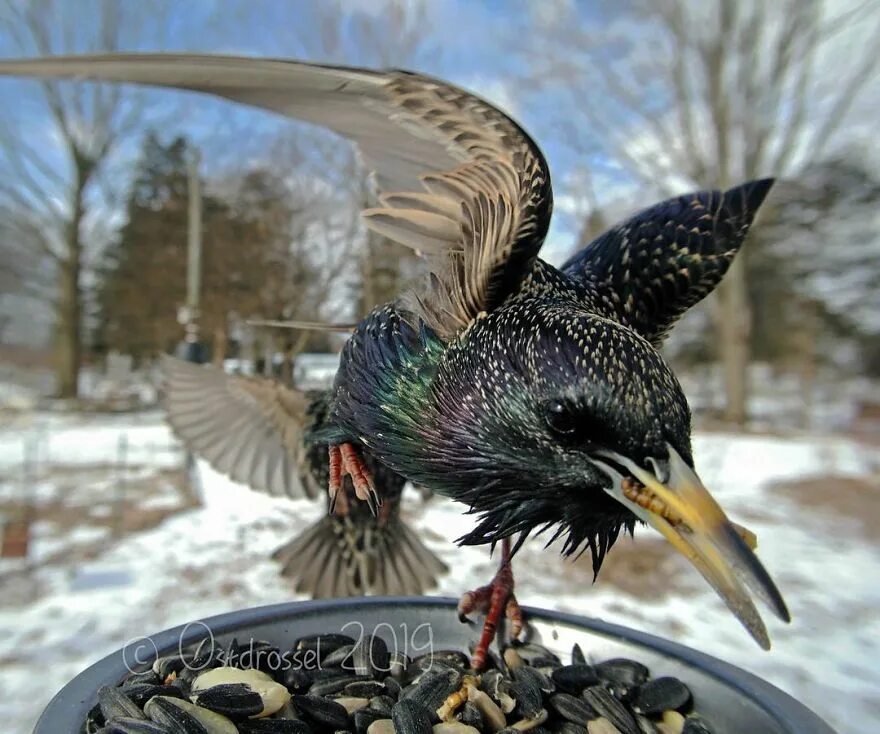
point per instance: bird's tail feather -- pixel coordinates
(337, 557)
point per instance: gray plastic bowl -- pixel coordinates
(731, 699)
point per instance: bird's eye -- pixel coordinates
(559, 418)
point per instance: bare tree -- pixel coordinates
(317, 254)
(55, 177)
(390, 33)
(690, 94)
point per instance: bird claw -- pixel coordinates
(495, 600)
(338, 502)
(344, 460)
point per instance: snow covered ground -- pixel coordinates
(87, 589)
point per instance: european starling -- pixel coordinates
(258, 432)
(535, 395)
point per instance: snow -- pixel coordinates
(64, 607)
(89, 439)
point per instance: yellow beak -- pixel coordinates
(683, 511)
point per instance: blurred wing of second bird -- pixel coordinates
(260, 433)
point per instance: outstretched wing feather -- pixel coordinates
(249, 429)
(416, 133)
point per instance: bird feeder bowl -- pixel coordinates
(731, 699)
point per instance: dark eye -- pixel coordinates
(559, 418)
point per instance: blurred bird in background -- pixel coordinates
(534, 395)
(258, 432)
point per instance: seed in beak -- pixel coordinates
(644, 497)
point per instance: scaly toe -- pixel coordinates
(513, 612)
(474, 601)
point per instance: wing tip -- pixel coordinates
(745, 200)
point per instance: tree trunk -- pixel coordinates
(68, 347)
(733, 320)
(68, 332)
(807, 351)
(287, 365)
(271, 345)
(220, 346)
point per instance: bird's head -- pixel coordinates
(575, 422)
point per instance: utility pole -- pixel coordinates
(192, 349)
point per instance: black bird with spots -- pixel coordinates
(536, 396)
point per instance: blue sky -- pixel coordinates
(488, 47)
(470, 43)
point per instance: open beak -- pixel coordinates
(673, 500)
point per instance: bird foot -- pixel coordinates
(493, 600)
(345, 460)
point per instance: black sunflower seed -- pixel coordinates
(608, 707)
(660, 694)
(369, 656)
(169, 713)
(537, 679)
(235, 700)
(432, 688)
(296, 680)
(411, 717)
(116, 704)
(626, 672)
(313, 649)
(528, 697)
(572, 709)
(536, 655)
(322, 711)
(365, 688)
(339, 658)
(574, 678)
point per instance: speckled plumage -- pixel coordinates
(465, 416)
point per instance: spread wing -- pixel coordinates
(459, 181)
(650, 269)
(247, 428)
